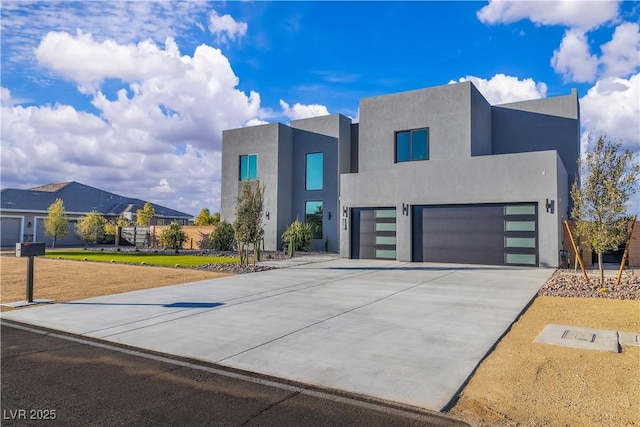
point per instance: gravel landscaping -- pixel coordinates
(568, 283)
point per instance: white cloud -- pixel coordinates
(87, 62)
(256, 122)
(612, 107)
(25, 23)
(5, 96)
(300, 111)
(621, 56)
(225, 27)
(573, 59)
(585, 15)
(501, 89)
(158, 138)
(168, 97)
(162, 187)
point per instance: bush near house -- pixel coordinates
(222, 238)
(197, 236)
(297, 237)
(173, 237)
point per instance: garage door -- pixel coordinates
(495, 234)
(373, 233)
(10, 231)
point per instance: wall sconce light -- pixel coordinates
(267, 215)
(405, 209)
(345, 211)
(329, 215)
(29, 224)
(549, 205)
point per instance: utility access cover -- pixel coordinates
(571, 336)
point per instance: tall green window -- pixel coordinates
(314, 165)
(412, 145)
(313, 216)
(249, 167)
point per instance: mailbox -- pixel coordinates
(29, 249)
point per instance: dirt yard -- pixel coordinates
(521, 383)
(62, 280)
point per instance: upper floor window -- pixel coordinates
(314, 165)
(249, 167)
(412, 145)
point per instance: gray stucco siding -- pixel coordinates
(480, 124)
(539, 125)
(445, 110)
(305, 143)
(510, 178)
(270, 143)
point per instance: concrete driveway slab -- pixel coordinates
(405, 332)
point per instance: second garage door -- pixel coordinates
(494, 234)
(10, 231)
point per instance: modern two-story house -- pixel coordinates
(435, 175)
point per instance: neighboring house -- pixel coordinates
(435, 175)
(22, 212)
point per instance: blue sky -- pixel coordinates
(132, 97)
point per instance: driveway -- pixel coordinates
(405, 332)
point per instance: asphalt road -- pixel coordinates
(51, 378)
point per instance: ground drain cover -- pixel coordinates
(575, 335)
(569, 336)
(629, 338)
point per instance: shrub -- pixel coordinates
(173, 237)
(222, 238)
(297, 237)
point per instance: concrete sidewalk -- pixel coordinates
(405, 332)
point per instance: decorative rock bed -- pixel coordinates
(567, 283)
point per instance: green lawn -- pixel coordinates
(140, 258)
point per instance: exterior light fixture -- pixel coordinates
(405, 209)
(267, 215)
(345, 211)
(29, 224)
(329, 215)
(549, 205)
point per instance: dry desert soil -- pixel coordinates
(520, 383)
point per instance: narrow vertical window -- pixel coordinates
(248, 167)
(314, 165)
(313, 217)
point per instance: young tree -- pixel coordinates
(216, 217)
(204, 218)
(144, 215)
(56, 222)
(609, 179)
(248, 227)
(173, 237)
(90, 227)
(111, 227)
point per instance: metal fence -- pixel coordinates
(135, 236)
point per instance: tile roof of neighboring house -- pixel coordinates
(77, 198)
